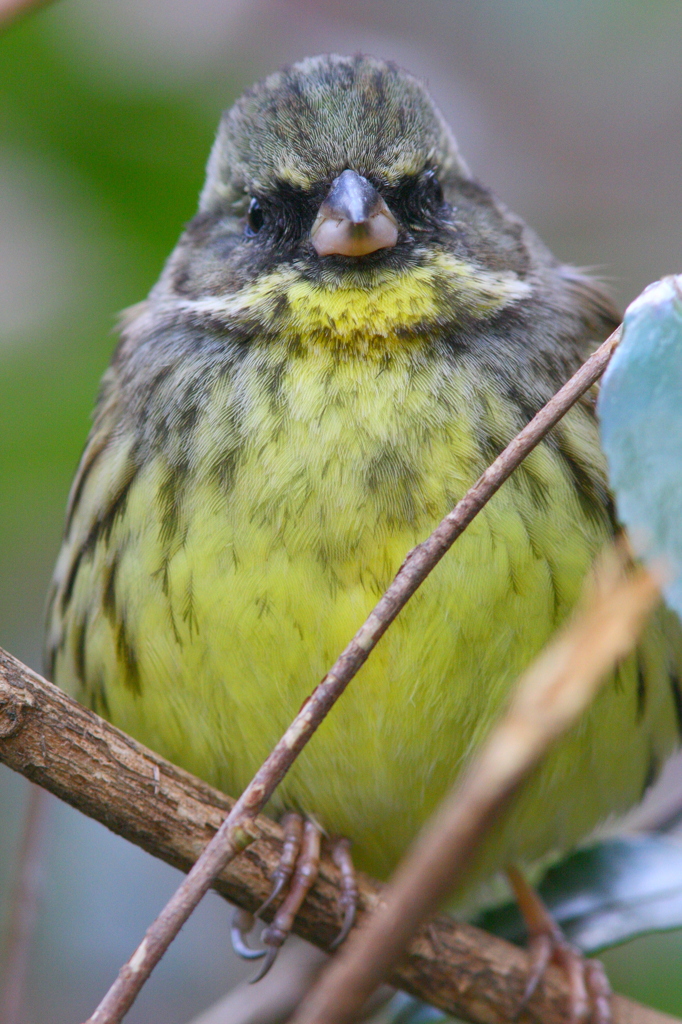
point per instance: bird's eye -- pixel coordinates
(254, 218)
(434, 187)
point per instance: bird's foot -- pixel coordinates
(589, 989)
(348, 900)
(299, 866)
(297, 869)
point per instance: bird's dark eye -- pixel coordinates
(433, 186)
(254, 218)
(419, 200)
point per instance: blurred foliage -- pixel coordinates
(123, 168)
(132, 166)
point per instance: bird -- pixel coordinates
(347, 333)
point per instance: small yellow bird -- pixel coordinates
(347, 333)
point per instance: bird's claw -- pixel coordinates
(588, 986)
(270, 957)
(291, 847)
(348, 922)
(300, 862)
(348, 901)
(242, 924)
(297, 869)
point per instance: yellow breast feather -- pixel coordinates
(199, 620)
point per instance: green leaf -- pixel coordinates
(605, 894)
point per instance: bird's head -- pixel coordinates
(336, 203)
(337, 162)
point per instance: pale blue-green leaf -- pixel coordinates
(640, 411)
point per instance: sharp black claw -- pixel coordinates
(348, 922)
(276, 890)
(238, 939)
(267, 964)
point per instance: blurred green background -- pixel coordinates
(571, 111)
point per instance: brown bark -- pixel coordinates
(68, 750)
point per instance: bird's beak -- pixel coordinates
(353, 220)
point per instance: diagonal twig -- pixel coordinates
(234, 834)
(549, 698)
(64, 747)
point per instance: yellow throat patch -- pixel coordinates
(362, 318)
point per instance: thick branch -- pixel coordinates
(96, 768)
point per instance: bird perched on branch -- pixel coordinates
(347, 333)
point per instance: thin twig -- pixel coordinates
(23, 909)
(548, 700)
(64, 747)
(234, 834)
